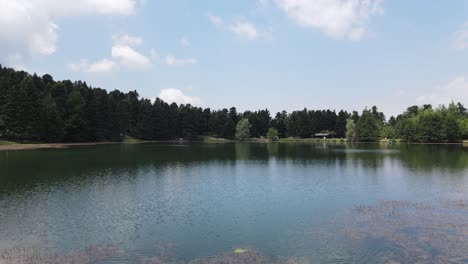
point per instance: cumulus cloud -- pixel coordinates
(244, 29)
(336, 18)
(171, 60)
(123, 56)
(130, 58)
(216, 20)
(28, 27)
(177, 96)
(125, 39)
(456, 90)
(59, 8)
(241, 28)
(101, 66)
(461, 38)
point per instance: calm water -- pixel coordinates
(283, 200)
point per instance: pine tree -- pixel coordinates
(51, 128)
(367, 128)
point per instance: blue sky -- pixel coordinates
(276, 54)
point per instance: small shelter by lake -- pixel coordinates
(323, 135)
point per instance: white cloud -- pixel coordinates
(85, 7)
(244, 29)
(123, 56)
(28, 27)
(456, 90)
(130, 58)
(184, 42)
(171, 60)
(177, 96)
(241, 28)
(263, 3)
(24, 32)
(336, 18)
(126, 40)
(101, 66)
(216, 20)
(461, 38)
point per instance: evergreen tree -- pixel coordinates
(34, 108)
(51, 128)
(367, 128)
(144, 121)
(74, 122)
(161, 120)
(305, 126)
(280, 123)
(341, 121)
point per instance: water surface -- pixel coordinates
(315, 202)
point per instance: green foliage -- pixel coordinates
(51, 128)
(40, 109)
(260, 121)
(74, 124)
(243, 129)
(453, 132)
(388, 132)
(425, 124)
(272, 134)
(463, 125)
(367, 128)
(430, 126)
(351, 130)
(341, 122)
(407, 129)
(280, 124)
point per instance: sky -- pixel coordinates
(257, 54)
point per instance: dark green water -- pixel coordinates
(282, 200)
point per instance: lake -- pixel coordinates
(245, 202)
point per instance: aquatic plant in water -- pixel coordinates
(163, 255)
(410, 232)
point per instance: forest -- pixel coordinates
(40, 109)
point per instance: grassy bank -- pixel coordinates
(132, 140)
(12, 145)
(7, 143)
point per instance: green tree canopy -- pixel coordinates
(350, 130)
(243, 129)
(367, 128)
(272, 134)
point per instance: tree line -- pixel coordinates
(40, 109)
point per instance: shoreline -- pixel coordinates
(32, 146)
(11, 146)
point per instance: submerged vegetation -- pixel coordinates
(40, 109)
(411, 232)
(33, 255)
(163, 255)
(395, 231)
